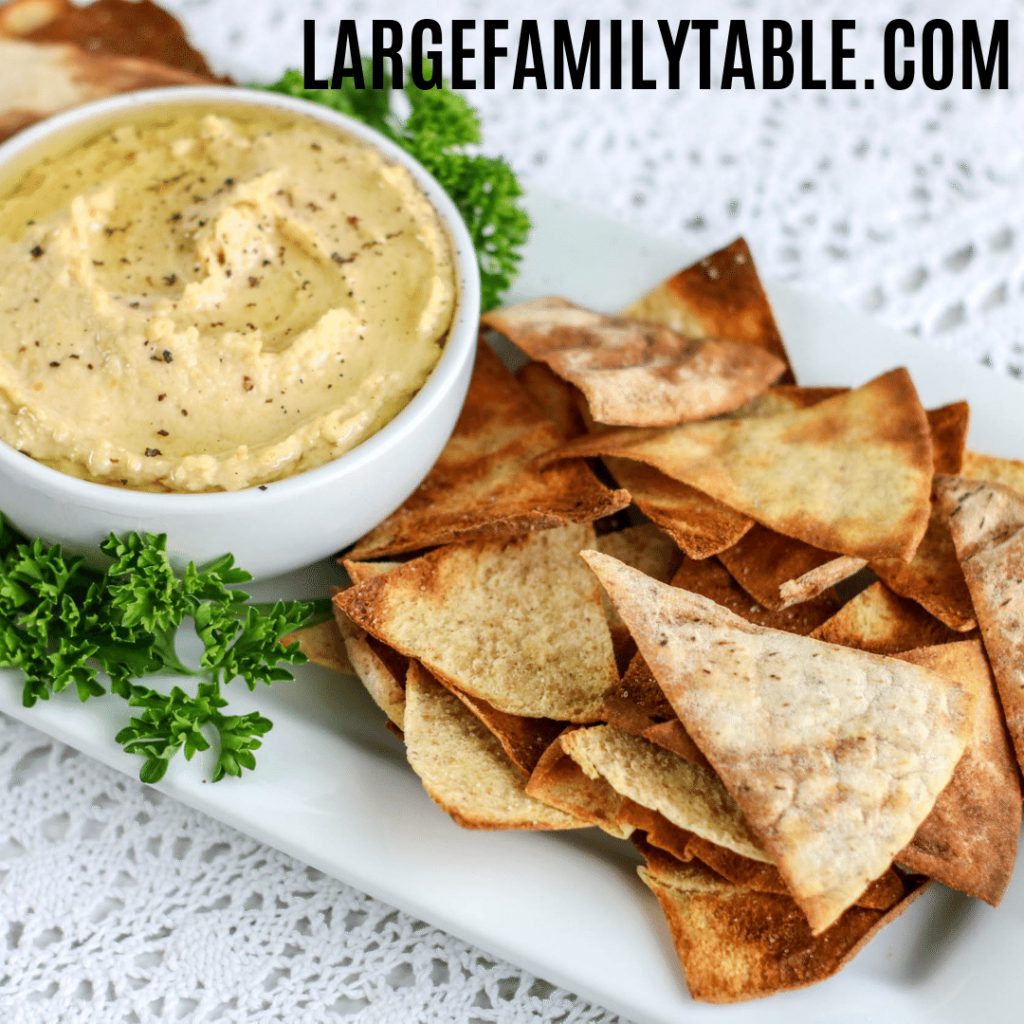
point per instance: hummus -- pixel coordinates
(212, 301)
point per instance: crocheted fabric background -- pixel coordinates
(118, 904)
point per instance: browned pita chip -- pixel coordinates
(633, 372)
(360, 572)
(835, 756)
(322, 644)
(117, 28)
(463, 767)
(523, 739)
(933, 578)
(881, 894)
(700, 525)
(719, 297)
(851, 474)
(657, 829)
(517, 623)
(672, 736)
(969, 841)
(556, 398)
(1009, 472)
(779, 571)
(484, 484)
(949, 426)
(736, 944)
(987, 521)
(559, 781)
(882, 622)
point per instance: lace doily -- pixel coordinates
(121, 905)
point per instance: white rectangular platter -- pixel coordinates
(332, 787)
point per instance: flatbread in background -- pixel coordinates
(1009, 472)
(721, 296)
(834, 756)
(969, 841)
(517, 622)
(40, 79)
(987, 522)
(779, 572)
(737, 944)
(851, 475)
(879, 621)
(485, 482)
(117, 28)
(633, 372)
(463, 767)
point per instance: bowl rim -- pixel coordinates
(459, 345)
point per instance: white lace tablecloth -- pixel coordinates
(117, 904)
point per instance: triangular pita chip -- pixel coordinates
(381, 670)
(634, 372)
(690, 797)
(969, 841)
(737, 944)
(987, 521)
(835, 756)
(719, 297)
(516, 622)
(850, 475)
(462, 766)
(879, 621)
(949, 425)
(485, 483)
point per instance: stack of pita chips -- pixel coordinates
(770, 634)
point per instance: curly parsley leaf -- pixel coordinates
(63, 624)
(440, 126)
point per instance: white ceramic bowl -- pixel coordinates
(295, 521)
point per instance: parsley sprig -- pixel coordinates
(64, 624)
(440, 131)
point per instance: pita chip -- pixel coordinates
(559, 781)
(882, 622)
(969, 841)
(735, 943)
(517, 623)
(851, 475)
(1009, 472)
(633, 372)
(834, 756)
(556, 398)
(485, 483)
(687, 795)
(381, 670)
(322, 644)
(719, 297)
(360, 572)
(463, 767)
(949, 425)
(987, 522)
(780, 572)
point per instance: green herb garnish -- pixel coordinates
(63, 623)
(440, 126)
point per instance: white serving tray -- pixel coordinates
(332, 787)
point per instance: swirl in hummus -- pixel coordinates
(210, 301)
